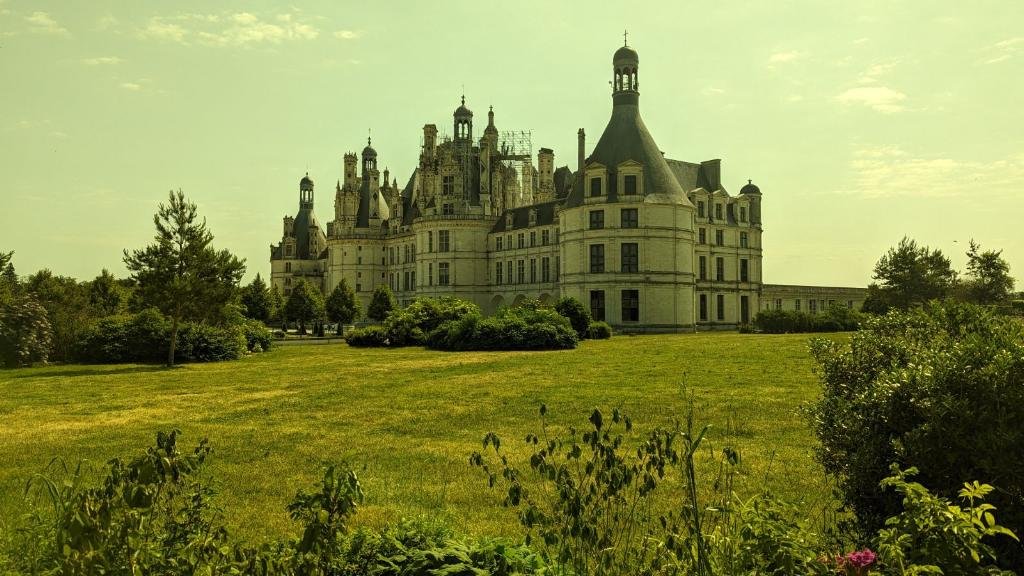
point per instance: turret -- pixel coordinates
(753, 194)
(350, 169)
(306, 192)
(546, 175)
(429, 140)
(463, 120)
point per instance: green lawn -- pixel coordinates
(408, 419)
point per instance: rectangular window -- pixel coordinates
(703, 267)
(430, 241)
(359, 287)
(521, 240)
(443, 240)
(533, 239)
(545, 269)
(849, 304)
(719, 238)
(391, 255)
(533, 270)
(412, 279)
(595, 186)
(430, 274)
(812, 306)
(744, 240)
(778, 304)
(700, 208)
(704, 307)
(596, 219)
(497, 243)
(597, 305)
(720, 269)
(630, 305)
(442, 274)
(743, 213)
(702, 236)
(630, 257)
(448, 185)
(720, 307)
(629, 218)
(558, 266)
(629, 183)
(796, 304)
(744, 271)
(718, 211)
(596, 258)
(520, 271)
(447, 209)
(545, 237)
(405, 281)
(497, 273)
(508, 268)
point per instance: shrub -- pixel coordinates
(599, 331)
(24, 332)
(144, 337)
(257, 334)
(837, 318)
(205, 343)
(402, 329)
(577, 314)
(432, 312)
(408, 326)
(382, 302)
(369, 336)
(510, 329)
(940, 389)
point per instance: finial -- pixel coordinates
(491, 108)
(463, 99)
(749, 181)
(625, 38)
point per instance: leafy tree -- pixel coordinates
(577, 314)
(988, 276)
(276, 303)
(910, 275)
(24, 331)
(106, 294)
(257, 300)
(68, 309)
(8, 278)
(341, 305)
(305, 304)
(382, 302)
(180, 273)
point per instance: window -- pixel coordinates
(720, 269)
(359, 260)
(744, 271)
(719, 237)
(596, 258)
(597, 305)
(412, 252)
(849, 304)
(287, 281)
(744, 240)
(629, 218)
(447, 209)
(287, 266)
(743, 213)
(630, 305)
(545, 237)
(700, 208)
(595, 186)
(443, 241)
(630, 257)
(521, 240)
(703, 268)
(520, 271)
(720, 307)
(558, 266)
(442, 274)
(430, 241)
(702, 236)
(629, 183)
(704, 307)
(778, 304)
(359, 287)
(497, 243)
(533, 270)
(796, 304)
(497, 273)
(744, 309)
(718, 211)
(448, 185)
(508, 241)
(405, 281)
(533, 239)
(596, 219)
(545, 269)
(430, 274)
(508, 268)
(412, 279)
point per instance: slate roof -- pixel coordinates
(303, 220)
(546, 212)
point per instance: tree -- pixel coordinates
(106, 294)
(24, 331)
(305, 304)
(988, 276)
(910, 275)
(180, 273)
(257, 300)
(382, 302)
(68, 310)
(8, 278)
(276, 303)
(342, 306)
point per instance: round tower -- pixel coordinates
(306, 192)
(463, 118)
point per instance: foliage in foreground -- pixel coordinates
(939, 389)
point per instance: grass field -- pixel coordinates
(408, 419)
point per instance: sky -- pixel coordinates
(861, 122)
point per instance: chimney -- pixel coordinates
(582, 139)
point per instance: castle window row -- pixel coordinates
(702, 269)
(702, 211)
(503, 271)
(524, 241)
(628, 218)
(630, 305)
(702, 238)
(629, 258)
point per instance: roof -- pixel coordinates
(546, 212)
(626, 53)
(303, 221)
(750, 188)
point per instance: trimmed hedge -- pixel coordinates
(599, 331)
(836, 319)
(370, 336)
(510, 329)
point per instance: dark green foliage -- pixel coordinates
(837, 318)
(106, 295)
(577, 314)
(940, 389)
(342, 306)
(988, 276)
(205, 343)
(180, 273)
(257, 300)
(305, 304)
(430, 313)
(910, 275)
(522, 328)
(68, 309)
(9, 284)
(599, 331)
(368, 337)
(382, 302)
(276, 304)
(408, 326)
(25, 332)
(258, 338)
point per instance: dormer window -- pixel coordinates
(743, 213)
(448, 185)
(718, 211)
(533, 217)
(447, 209)
(629, 184)
(508, 220)
(595, 186)
(700, 208)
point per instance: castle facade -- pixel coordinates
(648, 243)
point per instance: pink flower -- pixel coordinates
(861, 558)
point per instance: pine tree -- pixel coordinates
(180, 273)
(909, 274)
(106, 295)
(276, 304)
(257, 300)
(305, 304)
(382, 302)
(988, 276)
(342, 306)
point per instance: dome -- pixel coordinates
(306, 183)
(369, 152)
(625, 54)
(750, 188)
(462, 110)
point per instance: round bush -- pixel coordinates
(599, 331)
(577, 314)
(370, 336)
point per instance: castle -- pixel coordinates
(647, 242)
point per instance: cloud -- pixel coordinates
(102, 61)
(106, 22)
(1002, 51)
(347, 34)
(712, 91)
(891, 171)
(783, 57)
(43, 23)
(876, 71)
(133, 86)
(240, 29)
(878, 98)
